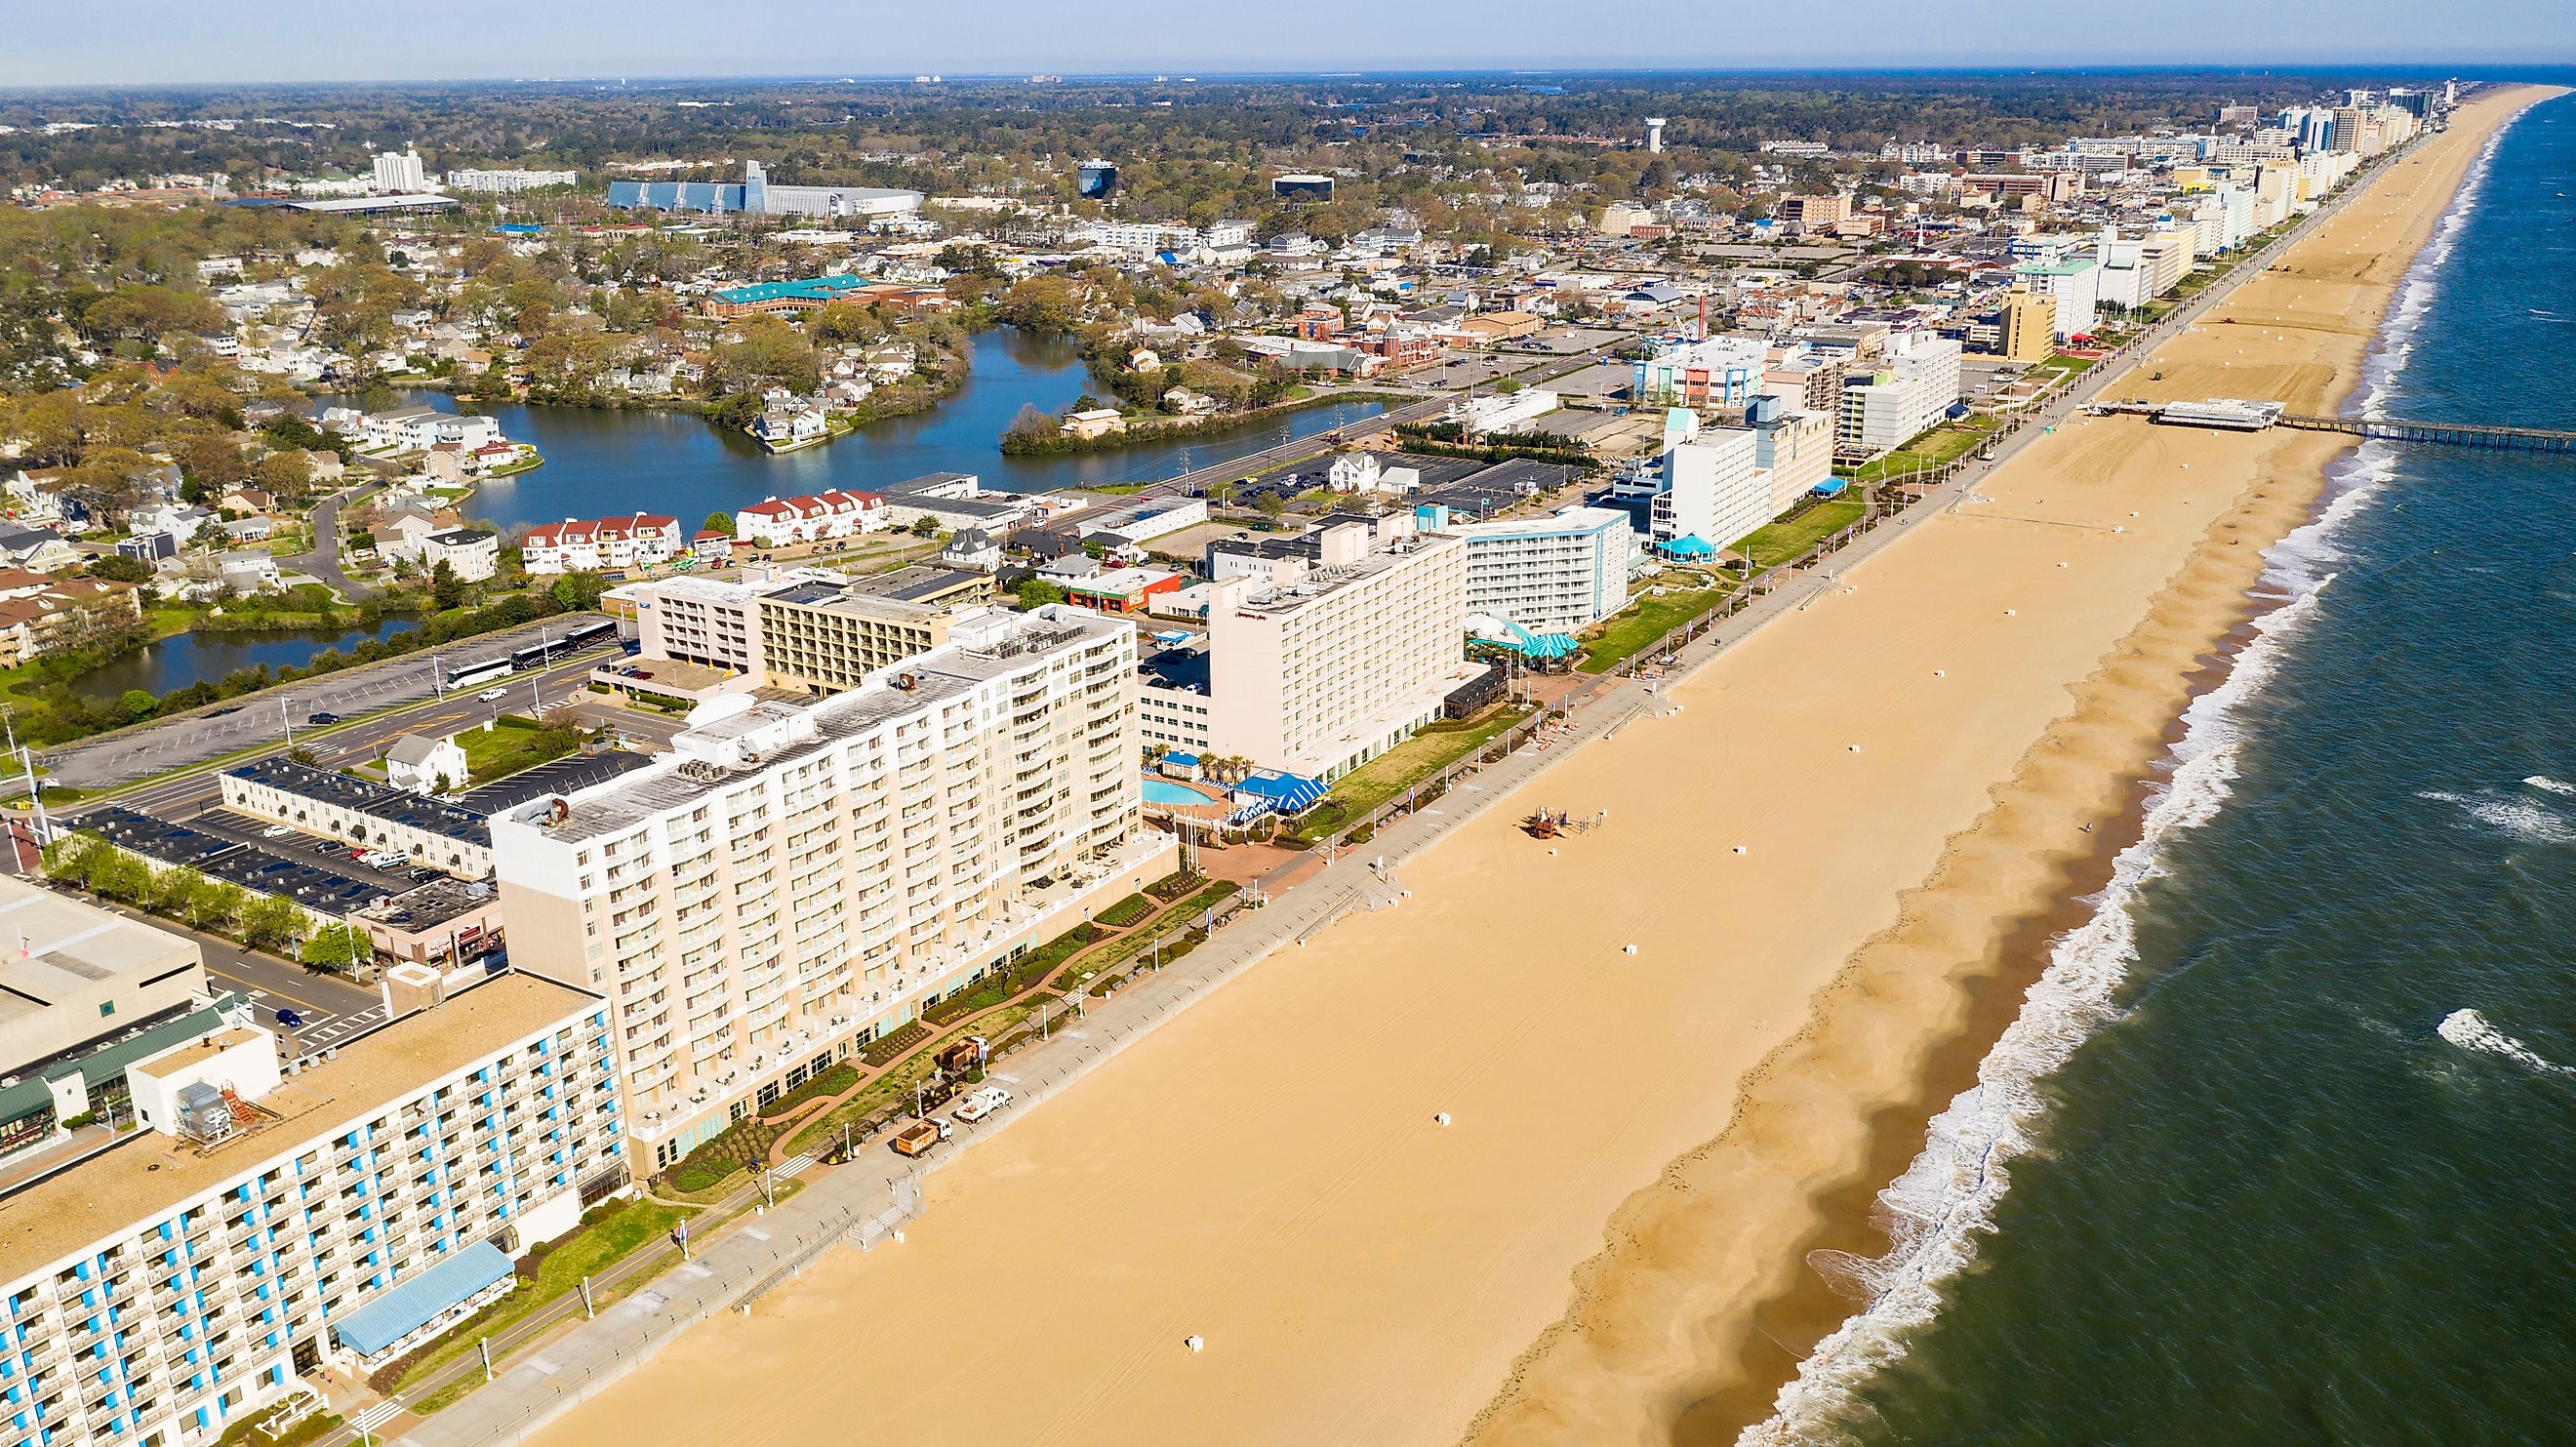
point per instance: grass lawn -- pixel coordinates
(1778, 542)
(1632, 632)
(509, 746)
(1933, 448)
(614, 1232)
(1400, 768)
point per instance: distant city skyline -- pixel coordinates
(176, 42)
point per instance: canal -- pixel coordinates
(601, 462)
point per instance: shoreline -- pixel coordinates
(1260, 1168)
(1767, 1343)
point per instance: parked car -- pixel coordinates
(274, 831)
(981, 1104)
(323, 718)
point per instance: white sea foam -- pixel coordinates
(2469, 1030)
(1934, 1212)
(2520, 818)
(2548, 785)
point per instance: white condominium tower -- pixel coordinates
(797, 879)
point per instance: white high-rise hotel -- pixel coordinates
(796, 880)
(401, 174)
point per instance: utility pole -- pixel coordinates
(286, 716)
(483, 1344)
(588, 1312)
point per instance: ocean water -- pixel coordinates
(2282, 1148)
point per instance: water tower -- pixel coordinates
(1654, 133)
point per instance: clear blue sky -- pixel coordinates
(86, 42)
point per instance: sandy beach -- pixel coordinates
(1908, 766)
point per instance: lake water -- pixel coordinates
(601, 462)
(172, 663)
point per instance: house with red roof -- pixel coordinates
(600, 545)
(778, 521)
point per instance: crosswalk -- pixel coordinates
(794, 1166)
(368, 1419)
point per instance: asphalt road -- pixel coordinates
(332, 1009)
(357, 743)
(263, 717)
(323, 563)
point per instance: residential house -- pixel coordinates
(425, 765)
(472, 554)
(577, 545)
(777, 522)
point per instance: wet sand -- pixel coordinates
(1265, 1170)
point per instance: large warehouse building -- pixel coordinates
(755, 196)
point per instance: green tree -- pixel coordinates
(1038, 592)
(578, 591)
(173, 888)
(216, 904)
(118, 568)
(339, 948)
(719, 522)
(446, 590)
(271, 922)
(121, 876)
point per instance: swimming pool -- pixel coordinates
(1164, 791)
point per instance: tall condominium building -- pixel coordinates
(1714, 489)
(2073, 284)
(804, 629)
(1322, 674)
(400, 175)
(794, 880)
(1556, 574)
(1916, 383)
(2030, 322)
(1792, 445)
(825, 636)
(252, 1231)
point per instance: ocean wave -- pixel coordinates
(2469, 1030)
(2520, 818)
(2548, 785)
(1934, 1212)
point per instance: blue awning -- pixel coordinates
(1181, 761)
(1688, 545)
(421, 1299)
(1278, 790)
(1830, 487)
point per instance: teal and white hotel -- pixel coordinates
(264, 1216)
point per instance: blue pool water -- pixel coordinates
(1164, 791)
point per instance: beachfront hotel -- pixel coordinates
(1320, 671)
(1560, 573)
(267, 1218)
(796, 879)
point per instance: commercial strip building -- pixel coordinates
(272, 1218)
(755, 196)
(451, 837)
(793, 881)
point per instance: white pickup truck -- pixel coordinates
(981, 1104)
